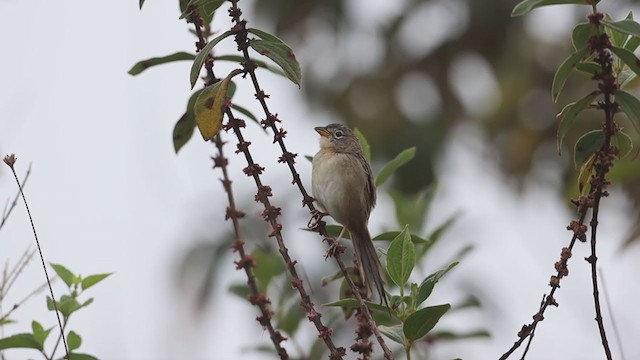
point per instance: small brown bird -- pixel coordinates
(343, 187)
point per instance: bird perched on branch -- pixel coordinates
(343, 187)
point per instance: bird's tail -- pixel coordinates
(370, 267)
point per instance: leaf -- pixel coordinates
(393, 165)
(427, 285)
(276, 50)
(627, 58)
(422, 321)
(73, 340)
(240, 59)
(564, 70)
(206, 8)
(527, 5)
(25, 340)
(569, 114)
(616, 37)
(627, 26)
(625, 77)
(632, 43)
(6, 321)
(247, 113)
(67, 276)
(449, 335)
(209, 107)
(581, 34)
(183, 130)
(631, 106)
(436, 234)
(241, 290)
(39, 333)
(202, 56)
(394, 333)
(588, 144)
(145, 64)
(289, 321)
(401, 258)
(366, 148)
(68, 305)
(91, 280)
(268, 266)
(412, 209)
(390, 235)
(588, 67)
(352, 303)
(623, 143)
(585, 173)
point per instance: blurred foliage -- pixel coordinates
(400, 77)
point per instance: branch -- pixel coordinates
(247, 262)
(289, 158)
(7, 211)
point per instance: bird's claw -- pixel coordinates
(316, 218)
(334, 248)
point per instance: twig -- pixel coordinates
(10, 161)
(287, 157)
(7, 211)
(533, 334)
(10, 278)
(270, 214)
(246, 262)
(21, 302)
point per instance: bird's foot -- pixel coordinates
(334, 248)
(316, 218)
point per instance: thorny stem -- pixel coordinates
(240, 31)
(270, 215)
(246, 262)
(10, 161)
(599, 46)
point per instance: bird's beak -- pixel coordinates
(322, 131)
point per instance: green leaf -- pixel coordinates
(569, 114)
(27, 341)
(68, 305)
(616, 37)
(6, 321)
(73, 340)
(240, 59)
(627, 26)
(623, 143)
(412, 209)
(401, 258)
(202, 56)
(276, 50)
(632, 43)
(210, 106)
(630, 105)
(353, 303)
(366, 148)
(527, 5)
(628, 58)
(145, 64)
(78, 356)
(427, 285)
(449, 335)
(588, 67)
(564, 70)
(241, 290)
(246, 113)
(422, 321)
(394, 333)
(436, 234)
(390, 235)
(393, 165)
(91, 280)
(625, 77)
(205, 8)
(67, 276)
(39, 333)
(289, 321)
(183, 130)
(268, 266)
(588, 144)
(581, 34)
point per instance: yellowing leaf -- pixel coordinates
(585, 173)
(209, 107)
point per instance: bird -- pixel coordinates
(343, 187)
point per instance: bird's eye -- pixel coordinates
(338, 134)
